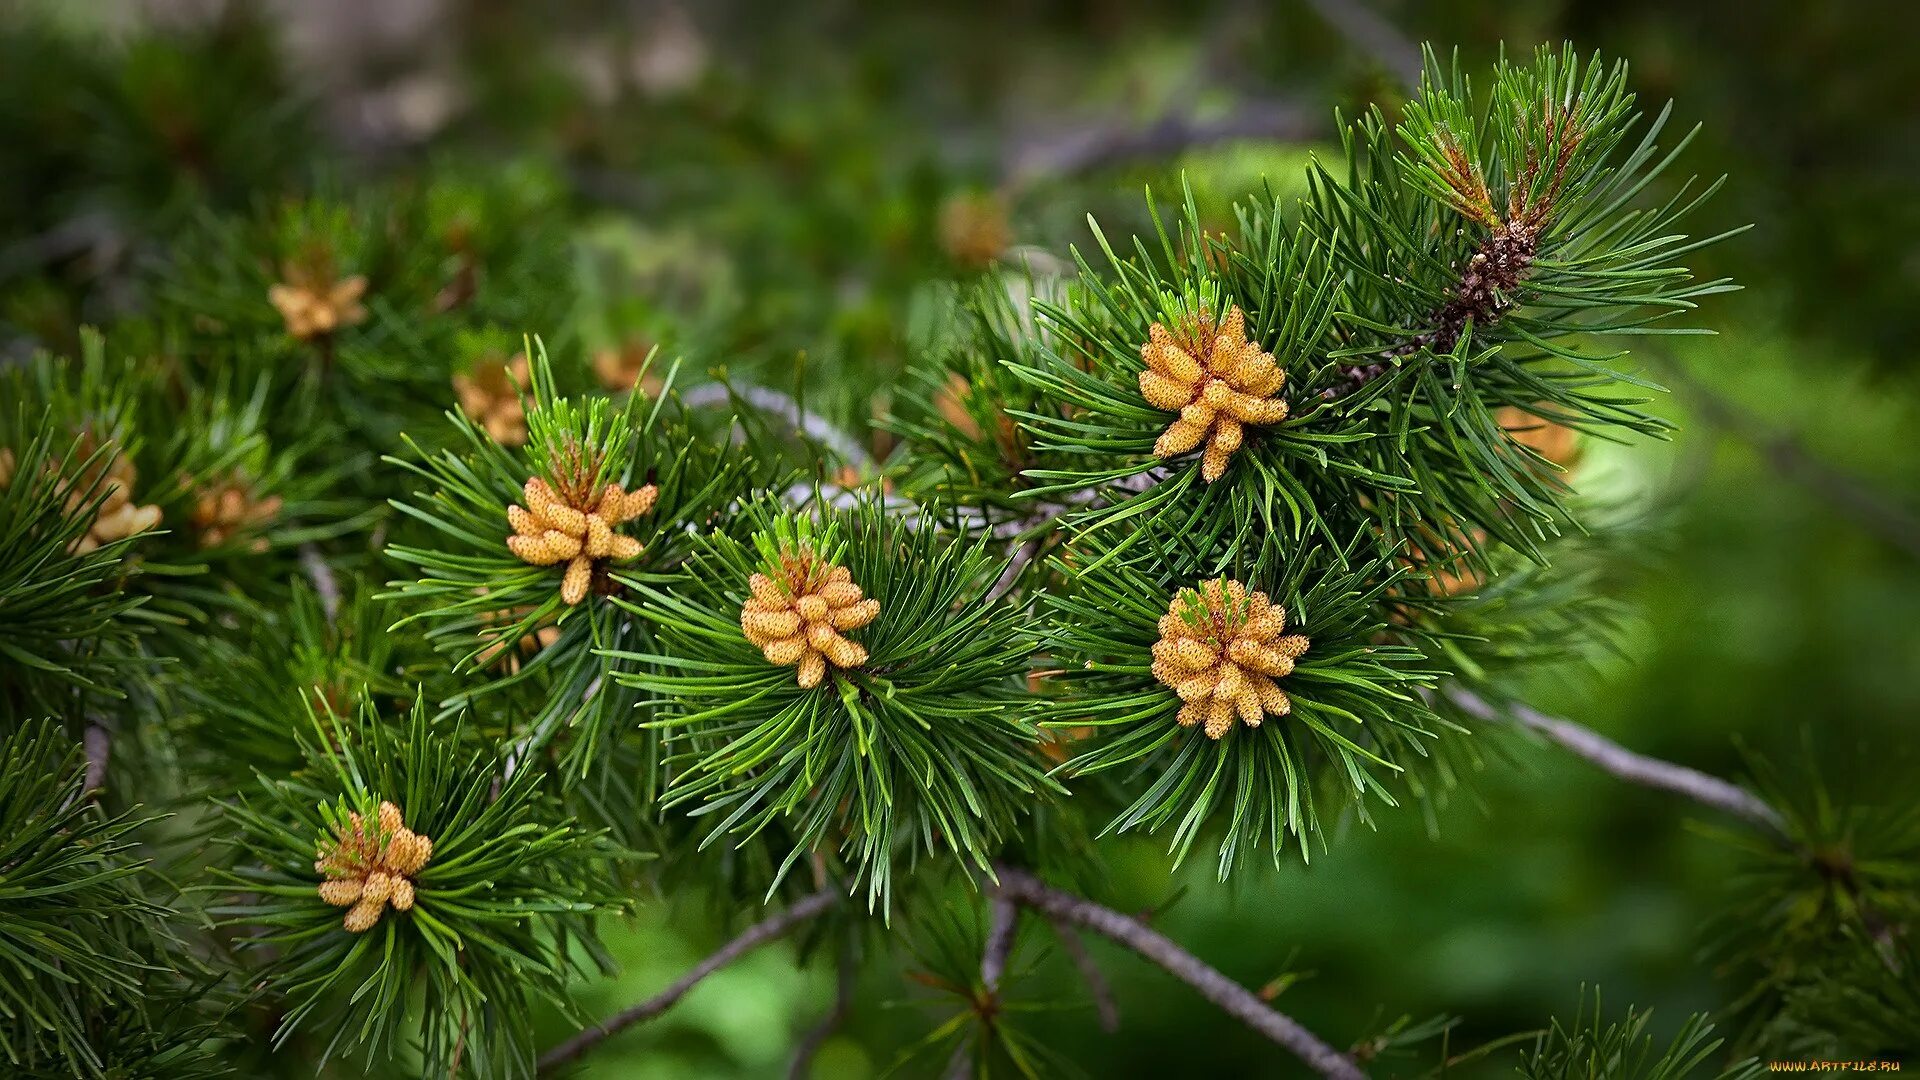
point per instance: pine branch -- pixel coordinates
(768, 929)
(1790, 458)
(812, 425)
(99, 750)
(1373, 35)
(1022, 558)
(1005, 918)
(1236, 1000)
(1090, 973)
(845, 972)
(324, 585)
(1621, 762)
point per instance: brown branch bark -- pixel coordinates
(753, 937)
(1232, 998)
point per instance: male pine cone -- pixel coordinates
(370, 868)
(796, 615)
(313, 306)
(1221, 647)
(577, 531)
(1217, 381)
(109, 477)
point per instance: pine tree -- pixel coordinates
(384, 610)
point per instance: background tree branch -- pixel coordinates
(768, 929)
(846, 971)
(1621, 762)
(1236, 1000)
(1373, 35)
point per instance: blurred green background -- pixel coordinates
(778, 174)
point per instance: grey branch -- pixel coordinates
(1623, 763)
(1090, 973)
(1232, 998)
(1373, 35)
(768, 400)
(1788, 457)
(1003, 920)
(752, 938)
(324, 585)
(844, 972)
(98, 743)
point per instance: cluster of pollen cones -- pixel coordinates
(1221, 647)
(229, 508)
(368, 868)
(489, 394)
(797, 614)
(1217, 381)
(314, 308)
(577, 531)
(110, 478)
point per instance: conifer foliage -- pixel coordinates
(382, 617)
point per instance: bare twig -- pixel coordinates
(1621, 762)
(1373, 35)
(812, 425)
(844, 972)
(324, 585)
(753, 937)
(98, 743)
(1004, 918)
(1090, 973)
(73, 237)
(1232, 998)
(1788, 457)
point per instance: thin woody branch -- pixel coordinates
(1004, 920)
(767, 400)
(1627, 765)
(1231, 997)
(98, 744)
(1373, 35)
(768, 929)
(324, 584)
(1790, 458)
(1104, 1006)
(845, 971)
